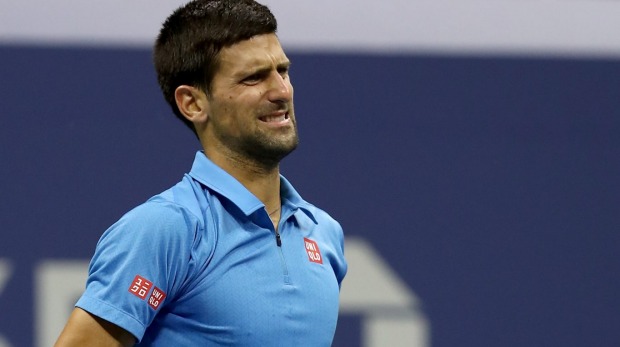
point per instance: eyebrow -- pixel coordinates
(263, 69)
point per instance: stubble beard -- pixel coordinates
(267, 150)
(262, 149)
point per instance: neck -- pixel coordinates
(261, 180)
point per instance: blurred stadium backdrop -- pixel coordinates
(470, 149)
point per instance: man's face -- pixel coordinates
(250, 111)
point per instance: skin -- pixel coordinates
(246, 125)
(251, 85)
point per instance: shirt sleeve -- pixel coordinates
(140, 263)
(341, 266)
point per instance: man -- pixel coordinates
(231, 255)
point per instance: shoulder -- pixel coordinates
(151, 225)
(157, 239)
(158, 215)
(174, 216)
(324, 227)
(322, 218)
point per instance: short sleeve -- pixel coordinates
(339, 263)
(140, 264)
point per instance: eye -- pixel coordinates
(252, 79)
(284, 70)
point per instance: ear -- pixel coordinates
(193, 103)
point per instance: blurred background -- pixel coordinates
(470, 149)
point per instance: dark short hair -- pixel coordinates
(187, 48)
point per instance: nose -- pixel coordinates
(281, 89)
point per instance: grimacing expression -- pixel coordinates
(250, 109)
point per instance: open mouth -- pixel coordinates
(275, 118)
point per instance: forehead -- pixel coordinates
(260, 51)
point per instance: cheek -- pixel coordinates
(235, 111)
(237, 108)
(229, 105)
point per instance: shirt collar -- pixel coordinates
(290, 196)
(215, 178)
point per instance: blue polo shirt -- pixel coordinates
(199, 265)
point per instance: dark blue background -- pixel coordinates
(490, 184)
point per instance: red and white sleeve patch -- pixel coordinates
(314, 254)
(157, 297)
(140, 287)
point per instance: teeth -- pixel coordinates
(275, 118)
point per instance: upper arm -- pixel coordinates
(148, 249)
(84, 329)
